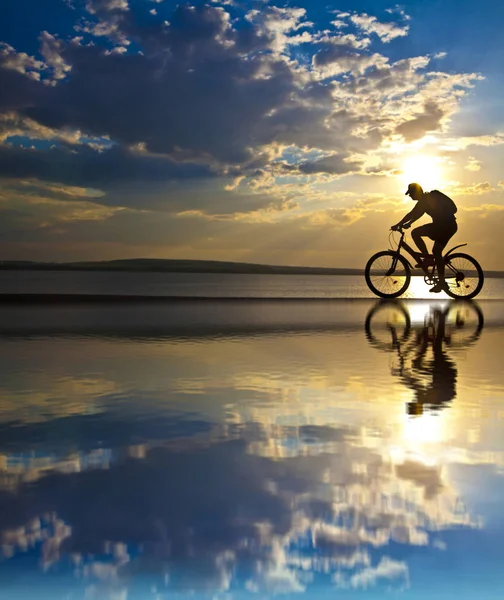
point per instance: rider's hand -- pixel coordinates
(394, 227)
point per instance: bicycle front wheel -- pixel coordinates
(387, 274)
(387, 325)
(463, 275)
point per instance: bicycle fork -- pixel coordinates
(392, 269)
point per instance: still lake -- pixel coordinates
(209, 285)
(228, 449)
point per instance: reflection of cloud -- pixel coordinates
(247, 514)
(67, 396)
(427, 477)
(387, 569)
(48, 532)
(18, 469)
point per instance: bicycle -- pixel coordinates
(388, 324)
(388, 273)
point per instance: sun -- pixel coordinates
(423, 169)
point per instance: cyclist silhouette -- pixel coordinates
(442, 210)
(440, 369)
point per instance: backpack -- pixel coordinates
(444, 203)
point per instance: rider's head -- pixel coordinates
(415, 191)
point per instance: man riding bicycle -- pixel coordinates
(444, 225)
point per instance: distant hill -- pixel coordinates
(161, 265)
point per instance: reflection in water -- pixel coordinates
(140, 467)
(421, 350)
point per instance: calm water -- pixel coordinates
(342, 449)
(209, 284)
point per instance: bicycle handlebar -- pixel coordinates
(400, 228)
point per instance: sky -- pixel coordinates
(273, 132)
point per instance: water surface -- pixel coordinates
(209, 285)
(219, 450)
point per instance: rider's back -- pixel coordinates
(439, 206)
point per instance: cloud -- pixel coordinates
(276, 23)
(473, 164)
(150, 111)
(106, 6)
(334, 165)
(51, 50)
(476, 189)
(385, 31)
(428, 120)
(464, 142)
(20, 62)
(162, 97)
(87, 166)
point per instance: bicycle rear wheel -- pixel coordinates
(463, 275)
(387, 274)
(463, 323)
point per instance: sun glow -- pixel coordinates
(423, 169)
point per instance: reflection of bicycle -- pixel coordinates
(388, 273)
(419, 351)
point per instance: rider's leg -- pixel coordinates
(437, 250)
(417, 234)
(442, 236)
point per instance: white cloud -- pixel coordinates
(51, 50)
(476, 189)
(385, 31)
(278, 22)
(98, 6)
(473, 164)
(464, 142)
(20, 62)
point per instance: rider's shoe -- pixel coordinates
(439, 287)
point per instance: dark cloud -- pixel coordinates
(17, 91)
(199, 86)
(191, 89)
(424, 122)
(345, 55)
(88, 167)
(334, 165)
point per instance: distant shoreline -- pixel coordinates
(176, 266)
(202, 267)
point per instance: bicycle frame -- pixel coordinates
(417, 255)
(402, 244)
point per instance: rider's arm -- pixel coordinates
(412, 216)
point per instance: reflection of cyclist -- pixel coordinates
(444, 225)
(441, 370)
(423, 363)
